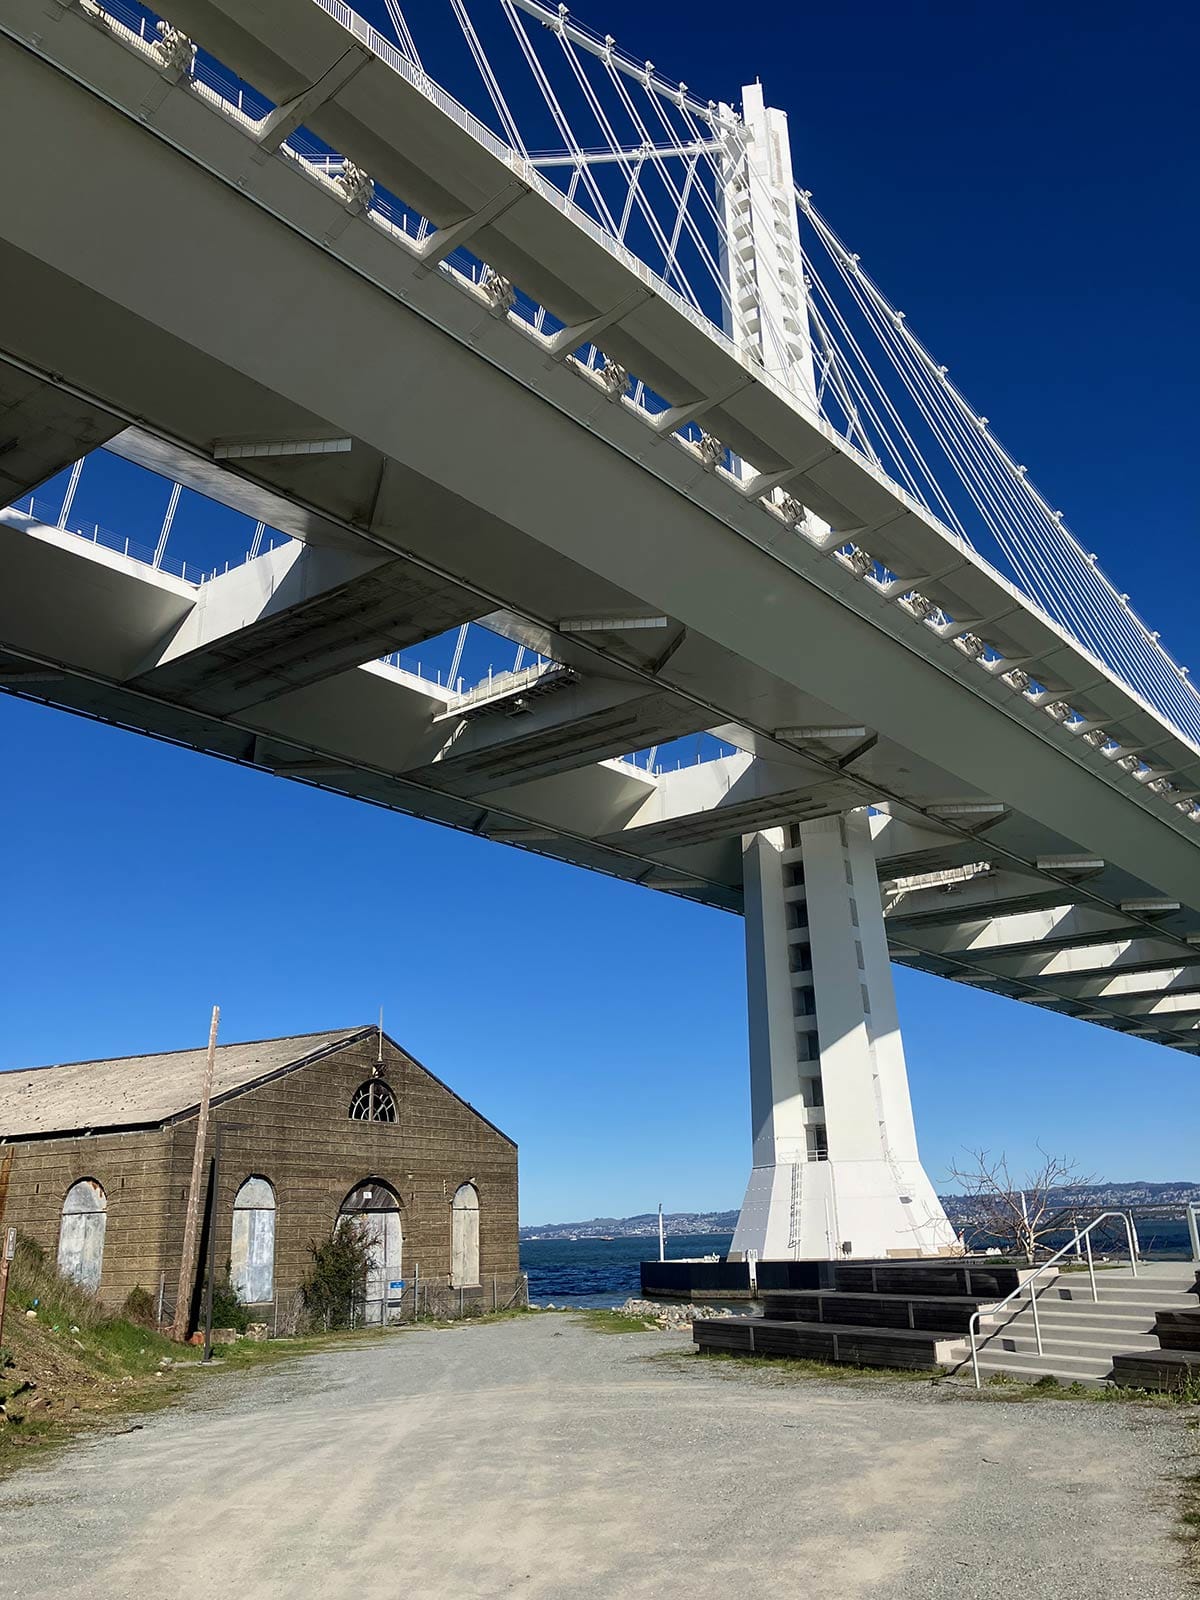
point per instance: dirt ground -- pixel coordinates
(540, 1458)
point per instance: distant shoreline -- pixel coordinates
(1135, 1195)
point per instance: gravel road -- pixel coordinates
(542, 1459)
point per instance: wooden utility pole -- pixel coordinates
(187, 1265)
(8, 1237)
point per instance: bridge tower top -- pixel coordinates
(767, 314)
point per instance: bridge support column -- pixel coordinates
(836, 1171)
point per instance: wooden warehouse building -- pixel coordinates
(313, 1128)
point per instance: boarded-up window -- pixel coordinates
(464, 1237)
(376, 1210)
(252, 1248)
(81, 1233)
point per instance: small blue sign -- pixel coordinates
(398, 1287)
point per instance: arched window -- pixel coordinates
(252, 1247)
(81, 1233)
(376, 1209)
(464, 1237)
(373, 1102)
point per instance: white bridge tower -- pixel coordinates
(836, 1171)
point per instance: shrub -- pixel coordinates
(336, 1283)
(139, 1307)
(227, 1310)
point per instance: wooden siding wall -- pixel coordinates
(299, 1136)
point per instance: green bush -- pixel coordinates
(336, 1284)
(140, 1307)
(227, 1310)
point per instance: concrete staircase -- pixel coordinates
(1080, 1338)
(918, 1315)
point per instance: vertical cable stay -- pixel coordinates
(491, 82)
(543, 83)
(704, 246)
(631, 170)
(1047, 558)
(403, 33)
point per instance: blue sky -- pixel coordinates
(1018, 182)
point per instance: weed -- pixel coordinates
(601, 1321)
(139, 1307)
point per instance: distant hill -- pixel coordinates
(645, 1224)
(959, 1208)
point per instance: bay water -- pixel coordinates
(605, 1272)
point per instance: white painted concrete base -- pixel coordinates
(838, 1210)
(836, 1172)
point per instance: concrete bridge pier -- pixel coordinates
(836, 1171)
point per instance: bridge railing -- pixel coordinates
(1120, 646)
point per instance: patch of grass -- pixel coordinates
(265, 1352)
(796, 1367)
(601, 1321)
(474, 1318)
(70, 1364)
(1001, 1388)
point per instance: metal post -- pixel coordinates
(164, 533)
(495, 1302)
(72, 485)
(1193, 1231)
(1091, 1265)
(662, 1253)
(1136, 1248)
(10, 1250)
(183, 1303)
(162, 1289)
(1037, 1326)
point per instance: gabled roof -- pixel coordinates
(143, 1091)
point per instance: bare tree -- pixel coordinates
(1016, 1215)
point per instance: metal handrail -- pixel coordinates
(1193, 1212)
(1081, 1236)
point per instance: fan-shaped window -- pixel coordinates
(464, 1237)
(373, 1102)
(81, 1233)
(252, 1246)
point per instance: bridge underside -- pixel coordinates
(252, 666)
(249, 331)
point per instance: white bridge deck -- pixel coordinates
(183, 290)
